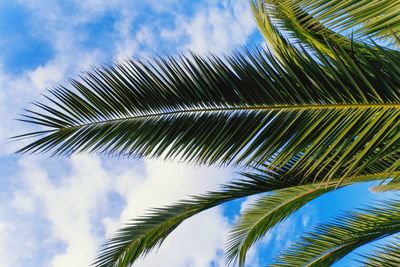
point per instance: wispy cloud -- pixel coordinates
(217, 27)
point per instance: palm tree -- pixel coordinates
(312, 112)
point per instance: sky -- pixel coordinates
(58, 211)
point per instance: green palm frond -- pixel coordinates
(267, 212)
(275, 39)
(281, 19)
(270, 210)
(365, 18)
(392, 184)
(276, 19)
(330, 242)
(341, 117)
(144, 234)
(387, 255)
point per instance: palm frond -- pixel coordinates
(365, 18)
(333, 115)
(142, 235)
(286, 18)
(270, 210)
(267, 212)
(387, 254)
(340, 116)
(328, 243)
(275, 39)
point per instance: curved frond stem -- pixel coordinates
(279, 108)
(142, 235)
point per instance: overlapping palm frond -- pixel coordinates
(146, 233)
(270, 210)
(276, 19)
(387, 255)
(330, 242)
(365, 18)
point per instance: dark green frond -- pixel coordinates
(330, 242)
(340, 117)
(387, 255)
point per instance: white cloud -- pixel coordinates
(167, 181)
(75, 202)
(68, 205)
(4, 239)
(164, 183)
(128, 45)
(49, 24)
(196, 243)
(217, 27)
(18, 91)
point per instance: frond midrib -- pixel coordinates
(283, 108)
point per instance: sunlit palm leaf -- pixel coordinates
(285, 17)
(330, 242)
(387, 255)
(267, 212)
(365, 18)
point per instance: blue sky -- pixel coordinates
(57, 211)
